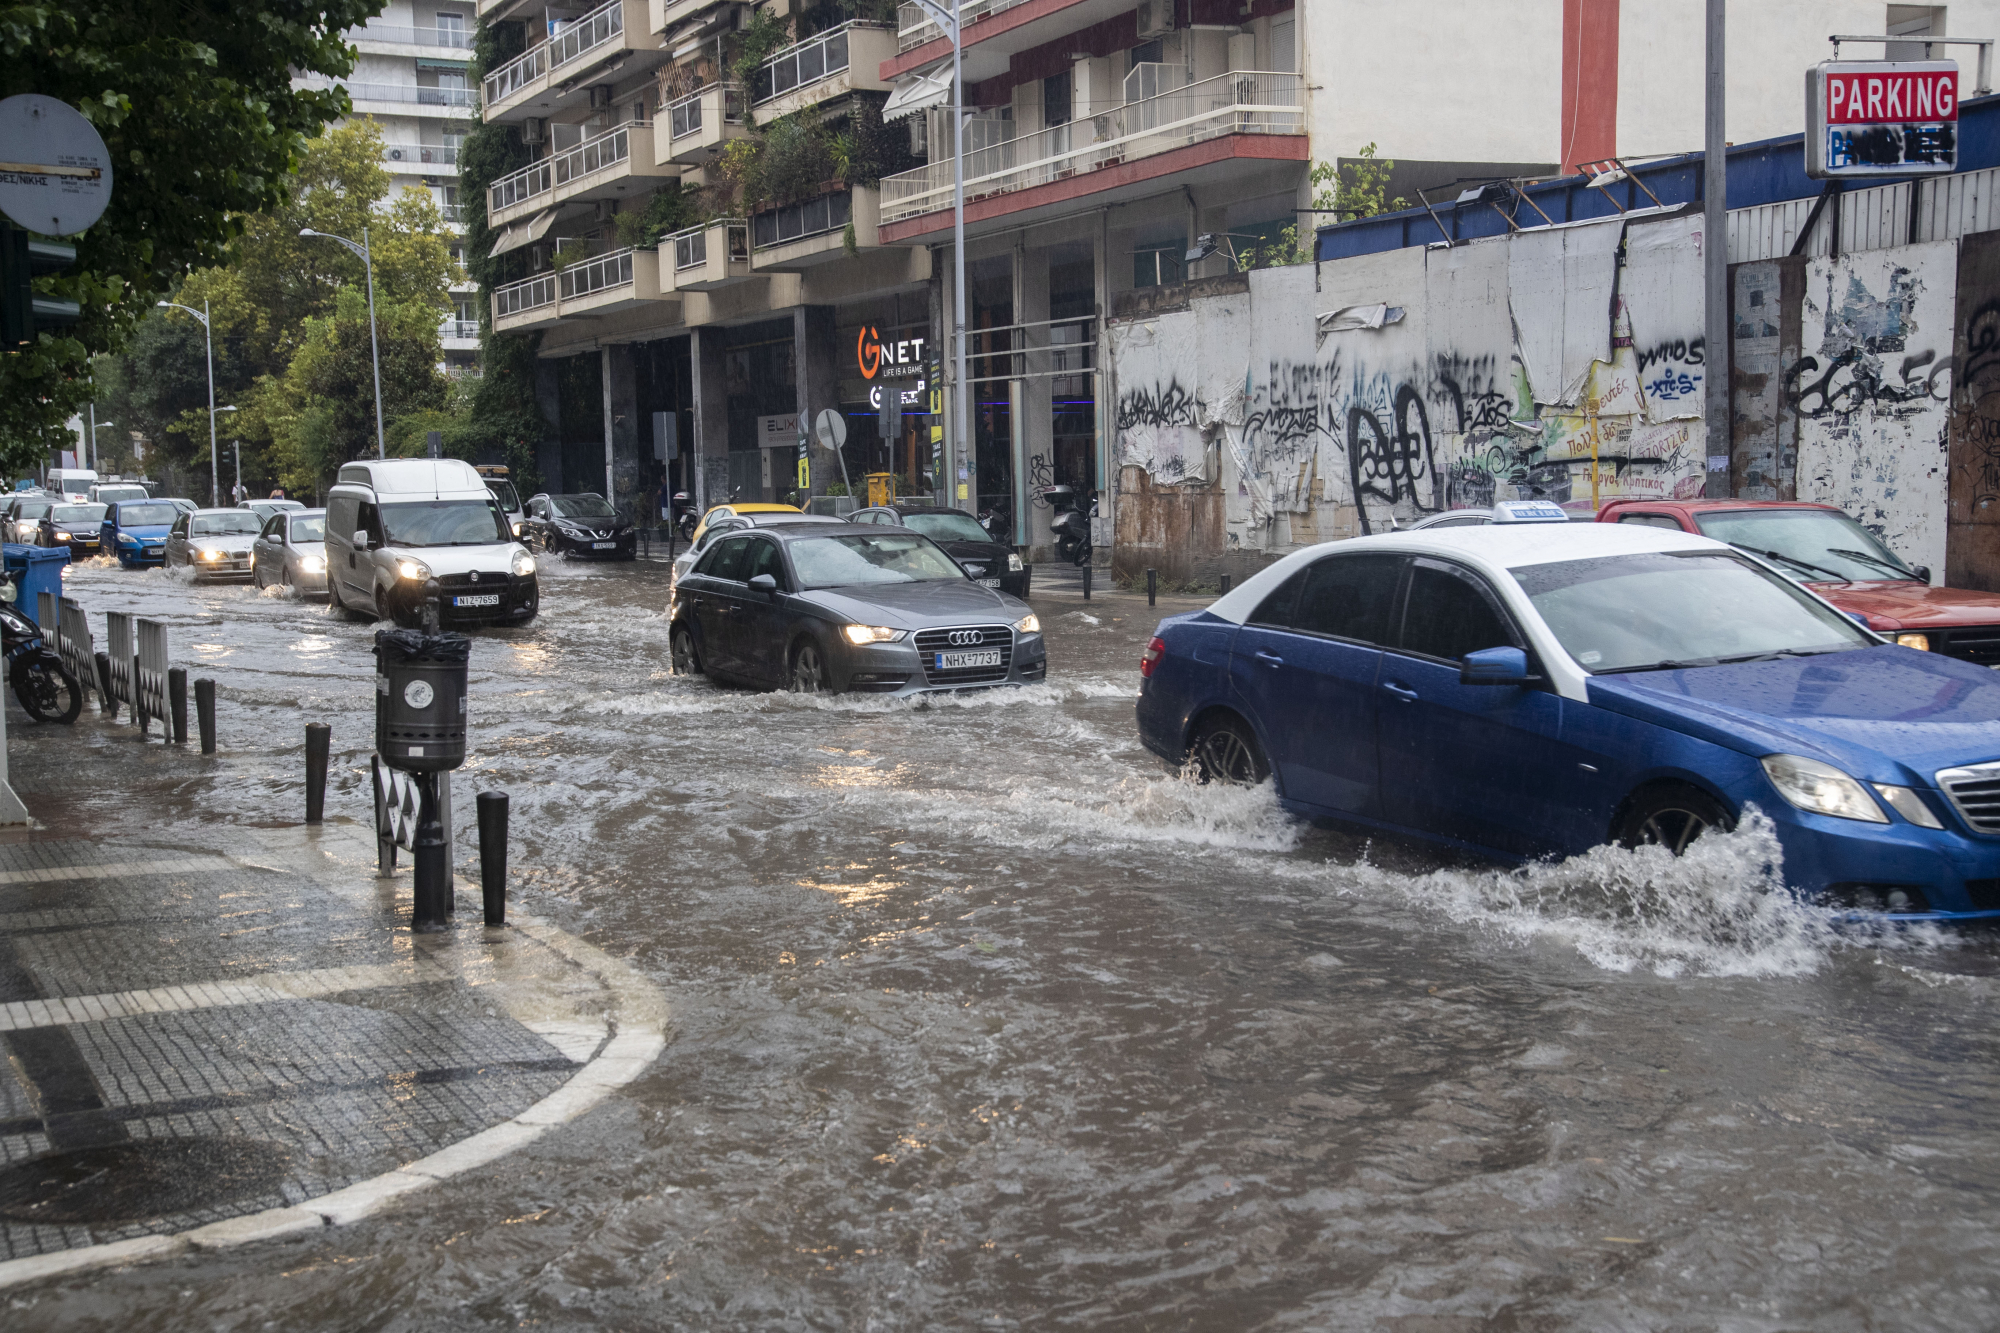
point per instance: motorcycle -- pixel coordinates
(999, 524)
(42, 683)
(1071, 525)
(685, 517)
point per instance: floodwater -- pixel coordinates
(983, 1020)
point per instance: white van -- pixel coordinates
(75, 482)
(393, 525)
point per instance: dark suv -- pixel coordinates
(984, 560)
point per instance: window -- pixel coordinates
(1449, 615)
(343, 516)
(1056, 99)
(728, 559)
(829, 212)
(1349, 597)
(271, 529)
(369, 520)
(1650, 521)
(765, 559)
(308, 529)
(1285, 46)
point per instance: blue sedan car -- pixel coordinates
(136, 531)
(1534, 690)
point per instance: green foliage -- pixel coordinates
(763, 37)
(795, 157)
(196, 106)
(668, 210)
(1360, 186)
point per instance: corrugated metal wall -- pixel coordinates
(1872, 219)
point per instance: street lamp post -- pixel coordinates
(208, 335)
(961, 399)
(374, 346)
(95, 426)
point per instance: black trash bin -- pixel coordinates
(420, 699)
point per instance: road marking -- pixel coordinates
(267, 988)
(113, 869)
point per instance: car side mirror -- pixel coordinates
(1495, 666)
(764, 583)
(1923, 573)
(360, 541)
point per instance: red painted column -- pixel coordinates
(1589, 81)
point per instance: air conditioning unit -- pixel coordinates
(395, 155)
(533, 129)
(1156, 18)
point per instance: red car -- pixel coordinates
(1842, 561)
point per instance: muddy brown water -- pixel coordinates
(984, 1020)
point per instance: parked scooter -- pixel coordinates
(999, 523)
(42, 683)
(685, 517)
(1071, 524)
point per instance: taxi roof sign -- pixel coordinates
(1529, 511)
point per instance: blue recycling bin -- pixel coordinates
(34, 569)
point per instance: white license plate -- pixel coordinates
(989, 583)
(954, 661)
(603, 546)
(479, 599)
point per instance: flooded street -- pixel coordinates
(982, 1019)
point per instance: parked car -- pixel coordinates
(583, 527)
(775, 517)
(496, 478)
(716, 513)
(1524, 691)
(104, 492)
(1477, 517)
(1825, 549)
(184, 505)
(985, 561)
(393, 525)
(24, 515)
(290, 551)
(263, 509)
(77, 527)
(136, 530)
(827, 606)
(214, 543)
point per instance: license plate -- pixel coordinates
(478, 599)
(989, 583)
(955, 661)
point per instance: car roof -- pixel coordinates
(815, 526)
(757, 509)
(1694, 506)
(1492, 548)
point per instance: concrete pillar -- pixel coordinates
(818, 369)
(548, 450)
(1105, 389)
(931, 449)
(621, 427)
(1035, 455)
(711, 417)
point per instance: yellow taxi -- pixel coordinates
(729, 510)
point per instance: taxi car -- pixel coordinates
(716, 512)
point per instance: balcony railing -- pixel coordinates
(552, 173)
(516, 74)
(517, 298)
(427, 154)
(684, 116)
(803, 64)
(914, 27)
(453, 212)
(795, 222)
(408, 92)
(691, 246)
(1245, 102)
(596, 275)
(446, 39)
(459, 328)
(588, 33)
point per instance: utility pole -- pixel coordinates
(1715, 267)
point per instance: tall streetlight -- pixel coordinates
(208, 335)
(374, 347)
(95, 426)
(948, 19)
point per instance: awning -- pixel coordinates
(919, 93)
(519, 234)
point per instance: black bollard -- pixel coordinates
(104, 685)
(319, 740)
(204, 712)
(1086, 583)
(1152, 586)
(1223, 591)
(138, 698)
(493, 855)
(432, 861)
(177, 702)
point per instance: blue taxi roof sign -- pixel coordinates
(1529, 511)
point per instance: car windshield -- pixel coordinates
(32, 509)
(218, 525)
(1656, 611)
(122, 493)
(581, 506)
(1811, 545)
(77, 514)
(146, 515)
(868, 557)
(504, 492)
(444, 523)
(952, 527)
(309, 529)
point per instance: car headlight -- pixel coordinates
(1014, 565)
(127, 539)
(1907, 804)
(412, 569)
(211, 554)
(1920, 642)
(524, 564)
(62, 536)
(517, 529)
(1029, 624)
(1821, 788)
(860, 634)
(312, 564)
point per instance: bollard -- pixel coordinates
(1086, 583)
(138, 698)
(1152, 586)
(204, 713)
(319, 740)
(177, 702)
(493, 854)
(104, 686)
(432, 860)
(1224, 590)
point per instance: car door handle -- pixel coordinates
(1403, 692)
(1268, 658)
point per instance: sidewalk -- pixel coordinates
(208, 1046)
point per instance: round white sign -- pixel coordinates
(831, 429)
(418, 694)
(55, 172)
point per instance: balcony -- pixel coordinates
(672, 13)
(607, 284)
(551, 77)
(998, 30)
(459, 328)
(411, 158)
(1193, 132)
(389, 40)
(704, 258)
(914, 27)
(403, 99)
(822, 67)
(601, 167)
(800, 236)
(530, 304)
(700, 124)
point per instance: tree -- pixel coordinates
(196, 106)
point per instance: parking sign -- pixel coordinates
(1881, 118)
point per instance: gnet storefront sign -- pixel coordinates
(891, 359)
(1881, 118)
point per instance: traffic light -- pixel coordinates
(23, 314)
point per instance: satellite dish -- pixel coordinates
(59, 179)
(831, 427)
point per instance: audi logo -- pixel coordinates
(965, 638)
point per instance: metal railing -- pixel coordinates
(448, 39)
(805, 63)
(459, 328)
(597, 275)
(684, 117)
(408, 92)
(588, 33)
(552, 173)
(1245, 102)
(516, 74)
(452, 212)
(914, 27)
(428, 154)
(691, 246)
(518, 298)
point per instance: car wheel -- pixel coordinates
(687, 658)
(809, 675)
(1226, 750)
(340, 608)
(1672, 817)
